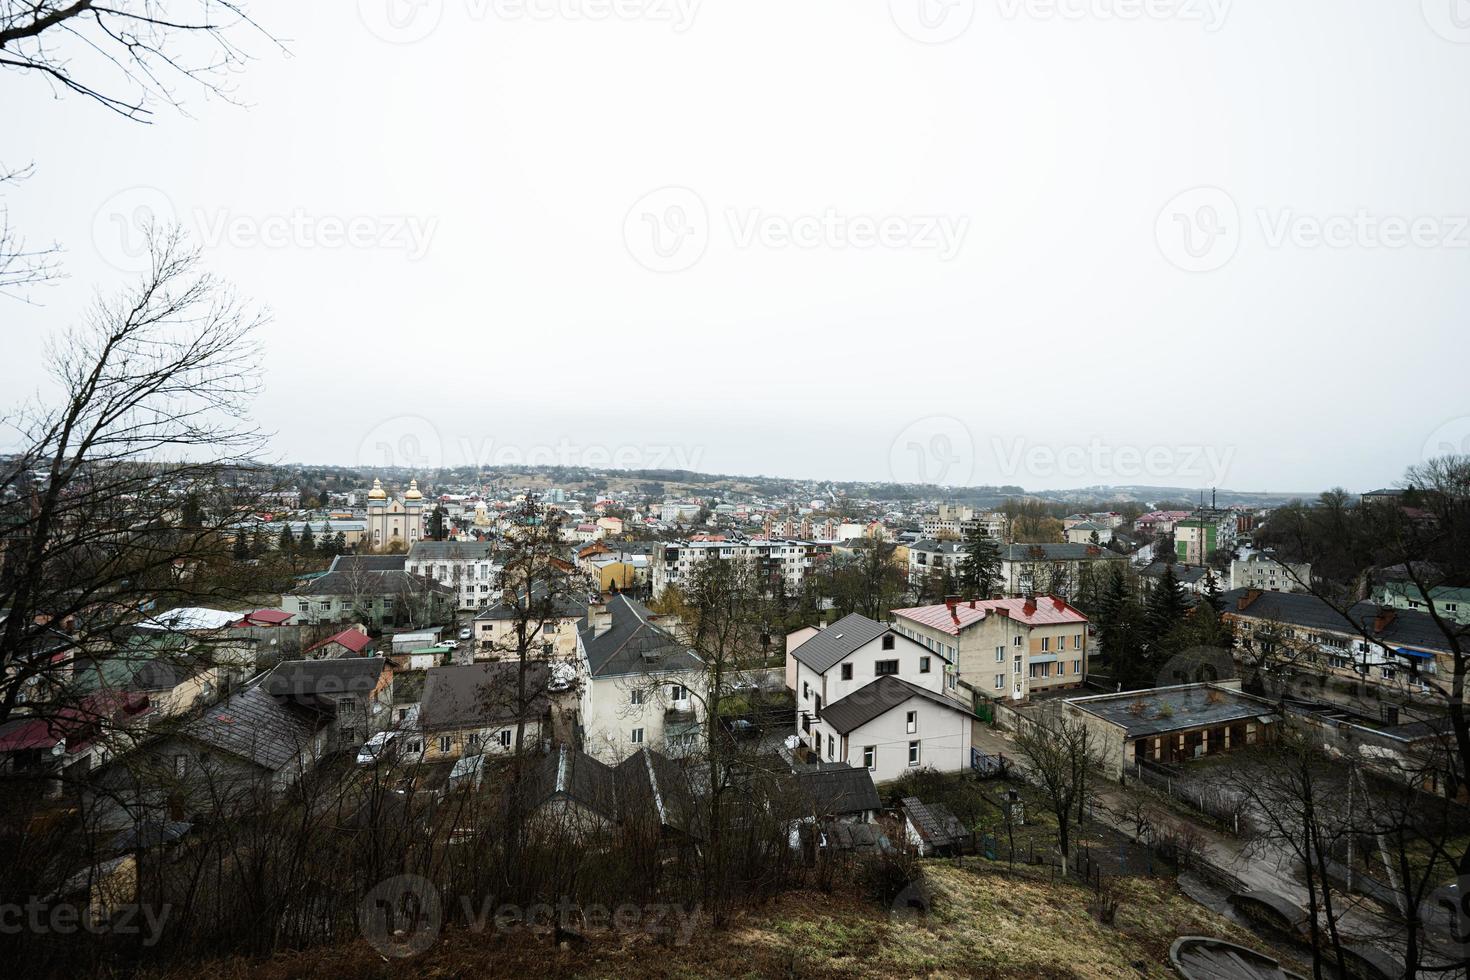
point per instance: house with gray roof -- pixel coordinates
(474, 709)
(377, 597)
(853, 652)
(640, 685)
(466, 568)
(890, 725)
(1052, 569)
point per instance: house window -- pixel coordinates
(881, 667)
(847, 672)
(505, 739)
(831, 748)
(1045, 643)
(1076, 666)
(806, 691)
(911, 722)
(914, 753)
(1046, 670)
(888, 641)
(870, 757)
(1035, 668)
(635, 696)
(474, 740)
(1016, 664)
(1016, 640)
(1000, 682)
(923, 665)
(1000, 655)
(636, 736)
(1077, 642)
(443, 743)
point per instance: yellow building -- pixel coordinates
(394, 523)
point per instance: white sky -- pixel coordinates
(1051, 141)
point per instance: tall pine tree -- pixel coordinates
(980, 571)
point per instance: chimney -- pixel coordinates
(1058, 603)
(950, 601)
(1030, 608)
(1385, 617)
(1243, 603)
(599, 619)
(972, 603)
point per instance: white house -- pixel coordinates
(640, 687)
(853, 652)
(890, 726)
(467, 567)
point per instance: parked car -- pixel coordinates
(379, 748)
(563, 676)
(464, 633)
(742, 728)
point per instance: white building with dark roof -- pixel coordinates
(889, 726)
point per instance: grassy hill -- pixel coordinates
(985, 922)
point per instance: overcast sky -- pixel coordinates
(1046, 243)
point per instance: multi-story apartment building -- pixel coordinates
(1450, 603)
(1376, 661)
(1004, 648)
(953, 521)
(468, 568)
(1054, 569)
(1159, 521)
(779, 561)
(929, 557)
(1269, 575)
(1202, 534)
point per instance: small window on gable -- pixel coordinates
(888, 641)
(847, 672)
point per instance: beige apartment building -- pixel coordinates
(1004, 648)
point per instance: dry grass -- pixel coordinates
(984, 923)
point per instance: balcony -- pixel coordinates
(679, 713)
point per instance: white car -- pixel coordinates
(377, 748)
(563, 676)
(464, 633)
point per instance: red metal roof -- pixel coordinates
(354, 640)
(1041, 611)
(266, 617)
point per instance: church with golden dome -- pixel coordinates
(394, 522)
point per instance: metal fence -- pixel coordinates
(1212, 801)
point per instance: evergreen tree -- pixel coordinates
(1164, 612)
(287, 541)
(241, 550)
(257, 542)
(339, 543)
(980, 571)
(307, 544)
(1120, 630)
(327, 540)
(436, 523)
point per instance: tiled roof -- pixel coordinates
(834, 790)
(1042, 611)
(481, 695)
(434, 550)
(254, 725)
(344, 675)
(934, 822)
(1405, 626)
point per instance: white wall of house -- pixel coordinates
(942, 735)
(628, 712)
(916, 664)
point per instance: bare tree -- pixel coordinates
(1061, 757)
(116, 500)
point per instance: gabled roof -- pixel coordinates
(367, 563)
(254, 725)
(835, 790)
(354, 640)
(1394, 626)
(342, 675)
(935, 824)
(561, 607)
(878, 698)
(834, 644)
(572, 774)
(1186, 574)
(481, 695)
(633, 644)
(653, 787)
(370, 582)
(1057, 552)
(464, 550)
(266, 617)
